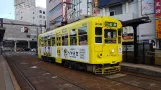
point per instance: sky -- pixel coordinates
(7, 8)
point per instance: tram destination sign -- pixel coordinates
(110, 24)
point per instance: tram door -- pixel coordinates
(58, 43)
(49, 46)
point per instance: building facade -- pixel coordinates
(54, 13)
(59, 11)
(25, 10)
(131, 9)
(18, 36)
(77, 8)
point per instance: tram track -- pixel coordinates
(145, 76)
(121, 82)
(25, 78)
(34, 88)
(133, 75)
(83, 80)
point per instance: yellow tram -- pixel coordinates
(93, 44)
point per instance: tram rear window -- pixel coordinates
(98, 30)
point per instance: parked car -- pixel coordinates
(33, 50)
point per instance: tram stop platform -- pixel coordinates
(142, 69)
(7, 79)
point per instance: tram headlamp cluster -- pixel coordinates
(112, 50)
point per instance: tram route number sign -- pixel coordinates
(158, 29)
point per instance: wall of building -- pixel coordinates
(78, 8)
(54, 13)
(15, 32)
(132, 10)
(28, 12)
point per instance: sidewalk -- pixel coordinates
(7, 79)
(141, 68)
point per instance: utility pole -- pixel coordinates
(2, 31)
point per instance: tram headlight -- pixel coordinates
(112, 50)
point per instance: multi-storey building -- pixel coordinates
(77, 8)
(59, 11)
(25, 10)
(54, 13)
(18, 36)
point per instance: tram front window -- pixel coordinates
(110, 36)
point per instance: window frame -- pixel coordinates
(98, 36)
(75, 35)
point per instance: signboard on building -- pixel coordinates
(158, 8)
(24, 29)
(96, 10)
(158, 29)
(147, 7)
(127, 34)
(158, 15)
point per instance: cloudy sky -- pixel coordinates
(7, 8)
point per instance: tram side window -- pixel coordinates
(73, 37)
(49, 42)
(58, 40)
(119, 36)
(42, 42)
(83, 35)
(45, 41)
(53, 41)
(98, 33)
(65, 39)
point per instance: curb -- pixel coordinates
(14, 81)
(141, 71)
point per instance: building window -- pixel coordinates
(50, 1)
(33, 17)
(33, 13)
(112, 13)
(40, 21)
(57, 20)
(40, 11)
(21, 18)
(115, 10)
(44, 17)
(40, 16)
(55, 9)
(43, 12)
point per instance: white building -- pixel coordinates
(131, 9)
(25, 10)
